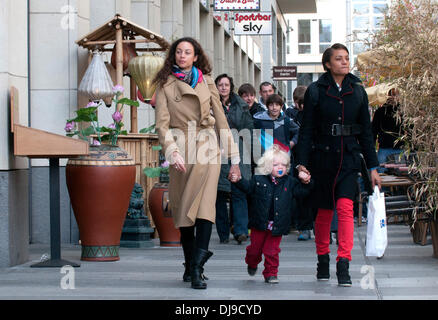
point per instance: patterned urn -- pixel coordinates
(100, 185)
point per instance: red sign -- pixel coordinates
(236, 5)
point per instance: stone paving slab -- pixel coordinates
(406, 272)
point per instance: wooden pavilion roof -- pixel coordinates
(106, 35)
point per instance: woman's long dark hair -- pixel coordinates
(201, 63)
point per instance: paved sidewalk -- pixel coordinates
(407, 271)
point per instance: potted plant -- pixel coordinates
(100, 183)
(159, 205)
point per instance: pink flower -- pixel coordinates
(165, 164)
(112, 126)
(96, 142)
(91, 104)
(69, 126)
(118, 89)
(117, 116)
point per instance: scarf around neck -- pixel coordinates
(192, 77)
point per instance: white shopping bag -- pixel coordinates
(376, 228)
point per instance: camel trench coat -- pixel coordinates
(192, 122)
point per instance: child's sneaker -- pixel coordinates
(304, 235)
(271, 279)
(252, 271)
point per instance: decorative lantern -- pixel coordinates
(143, 70)
(128, 54)
(96, 83)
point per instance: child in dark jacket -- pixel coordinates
(271, 190)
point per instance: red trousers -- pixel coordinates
(344, 209)
(263, 242)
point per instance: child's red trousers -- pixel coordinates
(263, 242)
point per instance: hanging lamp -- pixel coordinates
(96, 83)
(143, 70)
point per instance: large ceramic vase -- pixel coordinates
(162, 215)
(100, 186)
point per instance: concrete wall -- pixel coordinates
(14, 219)
(14, 198)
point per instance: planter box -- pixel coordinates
(139, 146)
(419, 232)
(434, 233)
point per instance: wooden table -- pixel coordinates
(395, 181)
(34, 143)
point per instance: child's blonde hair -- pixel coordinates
(265, 163)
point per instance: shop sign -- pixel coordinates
(221, 17)
(284, 73)
(253, 23)
(236, 5)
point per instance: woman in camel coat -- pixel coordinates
(189, 121)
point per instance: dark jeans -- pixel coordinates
(222, 216)
(239, 207)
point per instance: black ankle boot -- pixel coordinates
(323, 270)
(342, 266)
(200, 257)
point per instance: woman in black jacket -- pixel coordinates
(335, 130)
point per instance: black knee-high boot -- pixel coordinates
(188, 255)
(200, 257)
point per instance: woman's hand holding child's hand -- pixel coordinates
(235, 178)
(304, 177)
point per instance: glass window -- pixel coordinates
(325, 31)
(304, 37)
(360, 8)
(304, 49)
(379, 8)
(360, 22)
(377, 22)
(360, 36)
(359, 47)
(304, 79)
(322, 47)
(304, 31)
(325, 34)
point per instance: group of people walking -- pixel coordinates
(313, 157)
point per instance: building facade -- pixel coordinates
(350, 22)
(40, 58)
